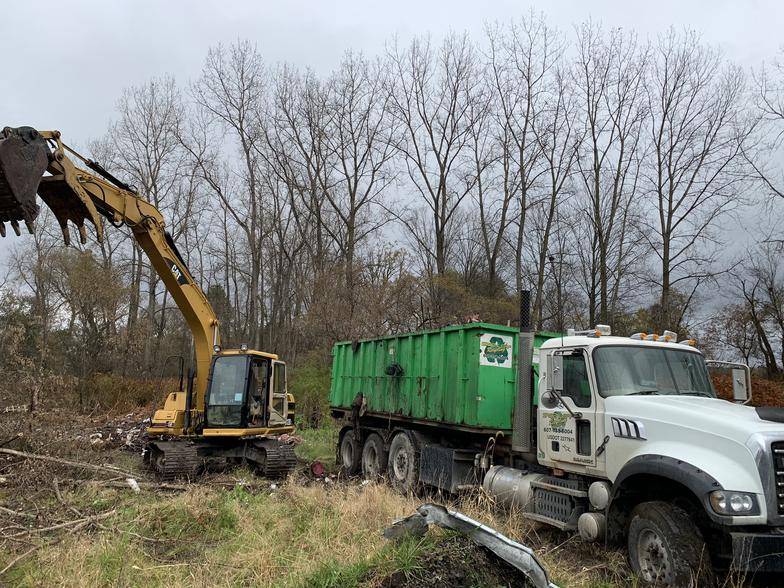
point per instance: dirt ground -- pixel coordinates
(457, 563)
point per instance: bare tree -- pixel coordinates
(488, 174)
(360, 144)
(520, 59)
(559, 139)
(753, 297)
(764, 156)
(695, 172)
(431, 97)
(148, 153)
(609, 80)
(231, 92)
(763, 288)
(297, 152)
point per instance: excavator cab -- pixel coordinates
(247, 391)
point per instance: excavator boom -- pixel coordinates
(76, 196)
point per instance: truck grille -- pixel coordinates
(778, 467)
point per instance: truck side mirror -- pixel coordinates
(555, 372)
(741, 384)
(741, 378)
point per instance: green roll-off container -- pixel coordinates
(463, 375)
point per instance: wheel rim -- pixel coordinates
(654, 557)
(347, 452)
(372, 459)
(400, 464)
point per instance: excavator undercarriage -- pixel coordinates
(236, 407)
(186, 459)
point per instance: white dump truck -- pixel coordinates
(621, 439)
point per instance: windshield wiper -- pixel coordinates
(643, 392)
(696, 393)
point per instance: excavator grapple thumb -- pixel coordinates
(24, 157)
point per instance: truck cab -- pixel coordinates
(636, 420)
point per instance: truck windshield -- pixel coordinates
(227, 391)
(623, 370)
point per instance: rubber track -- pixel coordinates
(181, 461)
(280, 458)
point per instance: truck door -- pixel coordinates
(567, 412)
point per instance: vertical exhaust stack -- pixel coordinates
(521, 433)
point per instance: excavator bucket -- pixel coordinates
(69, 202)
(24, 157)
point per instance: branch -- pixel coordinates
(75, 464)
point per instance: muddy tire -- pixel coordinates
(666, 548)
(349, 454)
(374, 457)
(403, 463)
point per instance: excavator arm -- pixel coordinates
(75, 196)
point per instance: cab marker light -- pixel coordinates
(638, 336)
(597, 331)
(689, 342)
(670, 336)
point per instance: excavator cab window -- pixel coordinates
(239, 390)
(258, 391)
(279, 400)
(226, 397)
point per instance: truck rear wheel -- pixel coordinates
(666, 548)
(403, 464)
(374, 457)
(349, 454)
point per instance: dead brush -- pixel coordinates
(565, 556)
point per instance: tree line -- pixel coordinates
(427, 185)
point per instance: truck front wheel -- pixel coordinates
(666, 548)
(403, 465)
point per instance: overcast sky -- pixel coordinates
(65, 65)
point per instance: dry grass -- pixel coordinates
(315, 535)
(301, 534)
(295, 536)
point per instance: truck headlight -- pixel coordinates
(726, 502)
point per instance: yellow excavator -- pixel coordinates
(235, 406)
